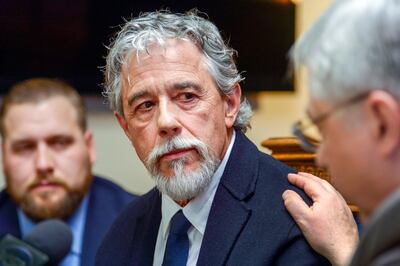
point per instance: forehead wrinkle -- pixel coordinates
(187, 84)
(129, 80)
(137, 72)
(144, 61)
(168, 66)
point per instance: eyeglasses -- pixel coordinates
(306, 130)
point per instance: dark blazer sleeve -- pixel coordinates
(298, 252)
(9, 223)
(106, 202)
(131, 239)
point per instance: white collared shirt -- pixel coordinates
(196, 211)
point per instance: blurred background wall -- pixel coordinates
(274, 114)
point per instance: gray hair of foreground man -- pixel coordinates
(347, 55)
(156, 28)
(36, 90)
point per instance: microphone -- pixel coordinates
(47, 244)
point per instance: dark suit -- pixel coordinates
(380, 244)
(105, 203)
(247, 225)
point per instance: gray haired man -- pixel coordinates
(174, 87)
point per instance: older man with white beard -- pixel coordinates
(174, 87)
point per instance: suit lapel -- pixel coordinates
(146, 230)
(9, 223)
(224, 225)
(229, 213)
(95, 226)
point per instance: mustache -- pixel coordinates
(49, 179)
(175, 143)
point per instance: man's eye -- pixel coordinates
(187, 97)
(145, 106)
(60, 143)
(23, 147)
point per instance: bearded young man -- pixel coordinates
(48, 154)
(174, 87)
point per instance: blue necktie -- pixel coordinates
(177, 248)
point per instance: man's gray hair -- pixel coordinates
(158, 27)
(353, 48)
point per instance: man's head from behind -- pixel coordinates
(173, 85)
(352, 57)
(47, 150)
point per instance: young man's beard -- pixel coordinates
(63, 208)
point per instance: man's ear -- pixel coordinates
(122, 122)
(232, 105)
(384, 119)
(90, 145)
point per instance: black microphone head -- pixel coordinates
(52, 237)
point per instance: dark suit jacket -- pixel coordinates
(380, 244)
(247, 225)
(105, 203)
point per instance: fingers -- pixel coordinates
(318, 180)
(308, 175)
(296, 206)
(328, 225)
(312, 185)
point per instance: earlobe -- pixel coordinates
(232, 105)
(385, 121)
(91, 146)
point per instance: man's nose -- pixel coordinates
(168, 125)
(44, 159)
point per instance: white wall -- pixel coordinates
(116, 158)
(277, 111)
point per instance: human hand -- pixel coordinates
(328, 224)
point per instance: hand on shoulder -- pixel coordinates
(328, 224)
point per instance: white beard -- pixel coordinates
(183, 185)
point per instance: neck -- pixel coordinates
(182, 203)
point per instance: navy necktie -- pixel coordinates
(177, 248)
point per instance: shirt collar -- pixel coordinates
(198, 209)
(76, 224)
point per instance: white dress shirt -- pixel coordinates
(196, 211)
